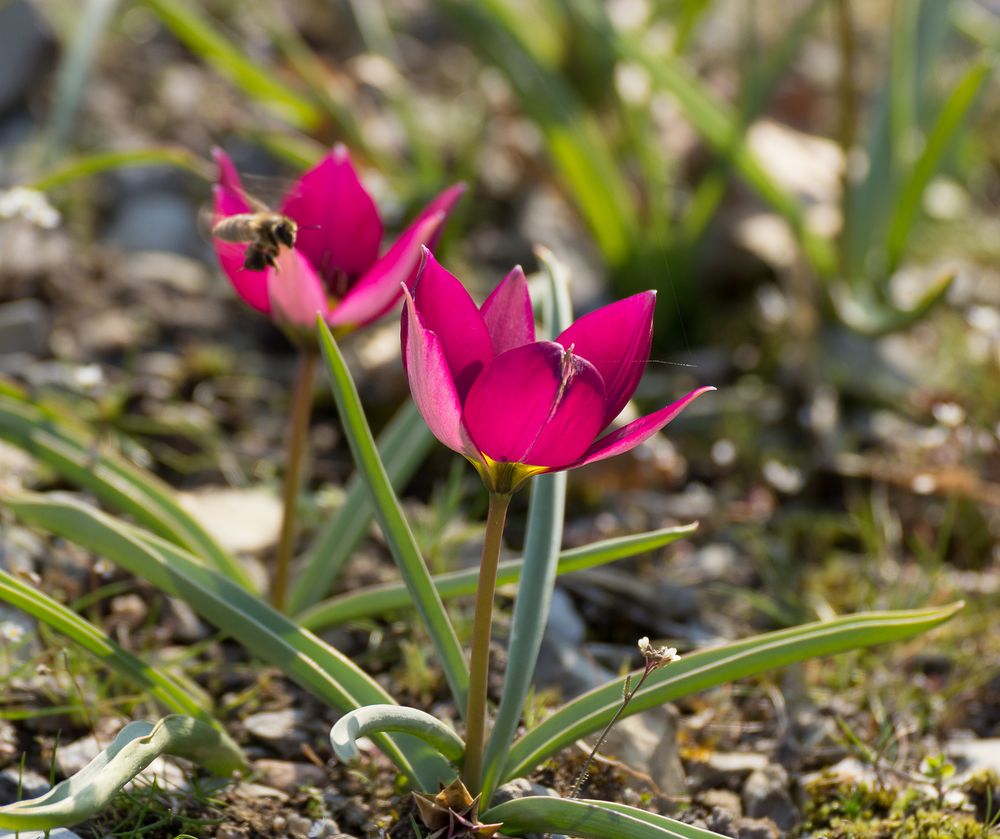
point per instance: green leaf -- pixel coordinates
(864, 313)
(949, 120)
(390, 517)
(173, 691)
(137, 745)
(304, 658)
(588, 819)
(198, 33)
(541, 557)
(380, 599)
(95, 164)
(403, 445)
(374, 719)
(78, 457)
(705, 669)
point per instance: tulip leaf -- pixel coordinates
(588, 819)
(264, 632)
(374, 719)
(543, 539)
(135, 747)
(591, 712)
(389, 514)
(96, 164)
(197, 32)
(403, 445)
(173, 691)
(80, 459)
(868, 316)
(380, 599)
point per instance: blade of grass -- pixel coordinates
(542, 541)
(198, 34)
(588, 820)
(381, 599)
(95, 164)
(77, 456)
(402, 445)
(304, 658)
(389, 514)
(173, 691)
(592, 711)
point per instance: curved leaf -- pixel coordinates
(588, 819)
(390, 517)
(592, 711)
(137, 745)
(379, 718)
(386, 597)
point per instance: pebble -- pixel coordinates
(974, 755)
(25, 44)
(298, 826)
(241, 520)
(24, 328)
(757, 829)
(766, 795)
(722, 799)
(55, 833)
(520, 788)
(727, 770)
(231, 831)
(289, 776)
(32, 784)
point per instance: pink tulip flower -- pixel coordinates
(334, 267)
(514, 406)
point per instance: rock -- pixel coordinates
(55, 833)
(32, 784)
(26, 43)
(520, 788)
(24, 325)
(256, 792)
(727, 770)
(279, 728)
(241, 520)
(564, 623)
(976, 754)
(756, 829)
(231, 831)
(289, 776)
(722, 799)
(298, 826)
(156, 220)
(766, 796)
(325, 829)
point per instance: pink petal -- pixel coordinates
(447, 310)
(627, 438)
(616, 340)
(431, 383)
(229, 201)
(536, 404)
(339, 226)
(508, 315)
(296, 293)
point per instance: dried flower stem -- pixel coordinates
(479, 663)
(298, 433)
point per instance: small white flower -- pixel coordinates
(657, 657)
(30, 205)
(11, 632)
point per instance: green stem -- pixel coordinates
(479, 665)
(298, 433)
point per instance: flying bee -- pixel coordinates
(265, 231)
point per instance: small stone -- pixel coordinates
(24, 328)
(976, 754)
(325, 829)
(289, 776)
(241, 520)
(55, 833)
(564, 623)
(722, 799)
(231, 831)
(276, 727)
(724, 769)
(520, 788)
(255, 792)
(298, 826)
(32, 784)
(757, 829)
(765, 795)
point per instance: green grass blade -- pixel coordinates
(71, 81)
(947, 125)
(705, 669)
(373, 719)
(173, 691)
(198, 34)
(588, 820)
(304, 658)
(546, 514)
(96, 164)
(82, 461)
(136, 746)
(389, 514)
(378, 600)
(402, 445)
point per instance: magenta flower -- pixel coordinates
(334, 268)
(514, 406)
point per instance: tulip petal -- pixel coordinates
(508, 315)
(229, 201)
(536, 404)
(431, 383)
(631, 435)
(447, 310)
(616, 340)
(339, 226)
(296, 292)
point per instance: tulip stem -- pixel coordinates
(298, 433)
(479, 665)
